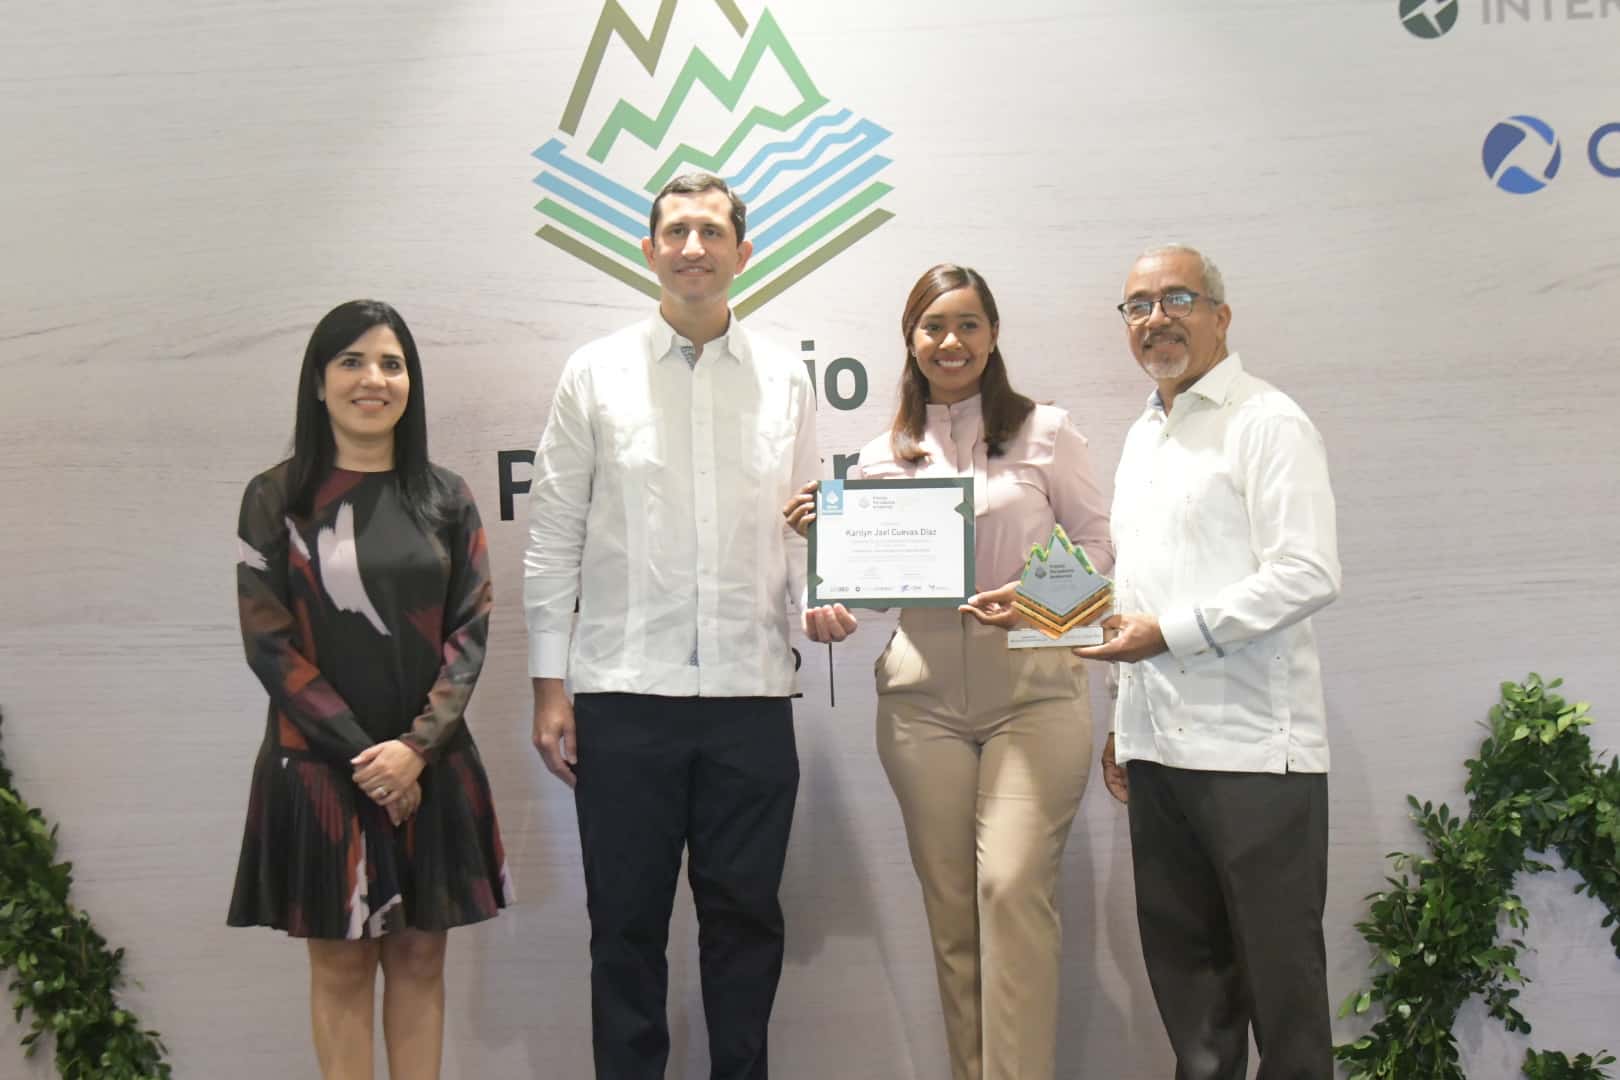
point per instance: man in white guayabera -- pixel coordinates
(1223, 524)
(670, 449)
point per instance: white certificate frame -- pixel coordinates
(918, 554)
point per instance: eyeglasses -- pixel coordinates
(1176, 304)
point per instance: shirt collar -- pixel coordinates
(666, 342)
(967, 407)
(1214, 386)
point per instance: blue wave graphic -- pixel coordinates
(847, 183)
(604, 213)
(552, 153)
(786, 146)
(871, 136)
(865, 134)
(814, 157)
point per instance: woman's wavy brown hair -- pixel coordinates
(1004, 409)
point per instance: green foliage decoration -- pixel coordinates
(1447, 928)
(62, 972)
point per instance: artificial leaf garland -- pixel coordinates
(62, 972)
(1436, 930)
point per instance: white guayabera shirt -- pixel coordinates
(657, 503)
(1223, 524)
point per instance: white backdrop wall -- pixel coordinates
(189, 184)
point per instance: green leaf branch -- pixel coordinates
(1449, 926)
(62, 973)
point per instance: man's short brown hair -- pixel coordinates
(696, 183)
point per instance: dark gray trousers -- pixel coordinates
(1231, 879)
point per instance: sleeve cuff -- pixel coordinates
(1186, 635)
(548, 654)
(418, 744)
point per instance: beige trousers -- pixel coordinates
(988, 749)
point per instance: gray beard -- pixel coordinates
(1167, 369)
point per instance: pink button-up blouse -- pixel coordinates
(1043, 475)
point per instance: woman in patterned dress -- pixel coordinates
(364, 590)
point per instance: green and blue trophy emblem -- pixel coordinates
(1060, 588)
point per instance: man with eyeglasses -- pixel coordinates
(1223, 522)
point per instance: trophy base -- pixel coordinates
(1039, 639)
(1053, 625)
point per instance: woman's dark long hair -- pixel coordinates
(1004, 409)
(313, 449)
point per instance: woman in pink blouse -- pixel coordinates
(987, 748)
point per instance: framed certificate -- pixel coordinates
(892, 543)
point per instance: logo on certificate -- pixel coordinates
(831, 498)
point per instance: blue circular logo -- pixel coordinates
(1428, 18)
(1522, 155)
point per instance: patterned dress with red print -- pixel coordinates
(363, 627)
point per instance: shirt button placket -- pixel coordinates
(706, 492)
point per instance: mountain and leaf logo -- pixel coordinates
(1060, 588)
(1521, 155)
(1429, 18)
(740, 105)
